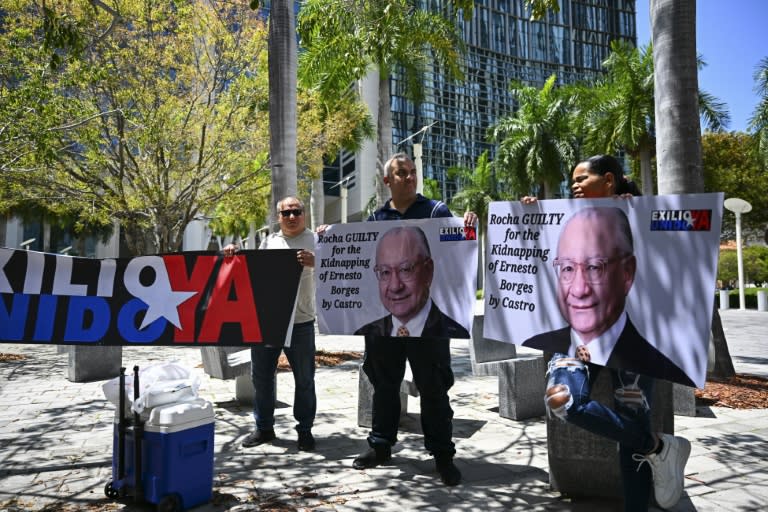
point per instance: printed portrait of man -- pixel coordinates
(595, 268)
(404, 271)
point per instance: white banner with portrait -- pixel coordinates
(631, 279)
(374, 277)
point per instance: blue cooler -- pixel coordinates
(176, 456)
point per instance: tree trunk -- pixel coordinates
(646, 172)
(678, 129)
(282, 102)
(546, 190)
(384, 132)
(723, 364)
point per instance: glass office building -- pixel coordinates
(503, 44)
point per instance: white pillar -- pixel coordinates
(724, 303)
(343, 198)
(762, 300)
(739, 206)
(740, 261)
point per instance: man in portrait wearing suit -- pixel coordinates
(595, 268)
(404, 269)
(388, 346)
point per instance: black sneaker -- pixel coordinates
(258, 437)
(449, 473)
(306, 441)
(373, 457)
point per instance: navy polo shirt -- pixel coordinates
(422, 208)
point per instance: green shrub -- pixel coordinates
(755, 265)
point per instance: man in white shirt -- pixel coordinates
(293, 234)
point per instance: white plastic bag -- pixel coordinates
(157, 382)
(166, 392)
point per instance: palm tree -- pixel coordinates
(678, 141)
(678, 145)
(476, 191)
(536, 142)
(282, 101)
(621, 114)
(345, 39)
(758, 123)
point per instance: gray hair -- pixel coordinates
(286, 198)
(397, 157)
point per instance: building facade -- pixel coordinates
(502, 45)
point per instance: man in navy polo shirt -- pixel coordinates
(429, 357)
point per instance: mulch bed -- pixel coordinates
(324, 358)
(6, 358)
(738, 392)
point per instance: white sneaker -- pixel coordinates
(668, 469)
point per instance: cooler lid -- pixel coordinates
(197, 410)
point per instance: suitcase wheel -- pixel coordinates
(111, 492)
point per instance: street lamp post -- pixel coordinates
(739, 206)
(417, 148)
(417, 152)
(343, 197)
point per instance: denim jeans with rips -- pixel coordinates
(301, 356)
(629, 424)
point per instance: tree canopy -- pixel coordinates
(732, 165)
(344, 40)
(758, 122)
(157, 116)
(536, 144)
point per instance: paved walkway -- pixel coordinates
(56, 443)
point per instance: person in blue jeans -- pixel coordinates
(589, 289)
(429, 356)
(293, 234)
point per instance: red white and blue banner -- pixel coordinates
(185, 299)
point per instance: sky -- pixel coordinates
(732, 38)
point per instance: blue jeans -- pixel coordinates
(430, 360)
(629, 424)
(301, 356)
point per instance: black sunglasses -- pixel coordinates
(288, 213)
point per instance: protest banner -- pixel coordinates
(561, 273)
(185, 299)
(357, 290)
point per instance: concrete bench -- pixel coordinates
(365, 396)
(521, 387)
(87, 363)
(226, 362)
(230, 363)
(521, 379)
(584, 464)
(486, 355)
